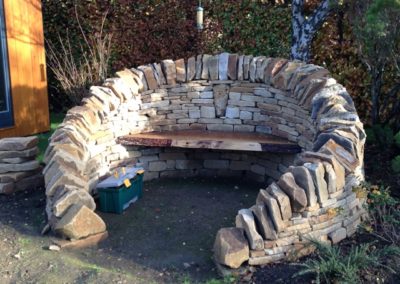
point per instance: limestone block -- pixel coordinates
(130, 80)
(207, 112)
(213, 68)
(180, 70)
(231, 247)
(232, 66)
(264, 222)
(149, 76)
(264, 198)
(245, 220)
(28, 153)
(80, 222)
(246, 66)
(232, 112)
(27, 166)
(223, 66)
(283, 200)
(72, 196)
(338, 235)
(304, 179)
(317, 172)
(296, 194)
(220, 99)
(240, 68)
(190, 69)
(346, 159)
(18, 143)
(169, 70)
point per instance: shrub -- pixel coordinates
(334, 266)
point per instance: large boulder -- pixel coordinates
(80, 222)
(231, 247)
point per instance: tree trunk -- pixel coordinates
(304, 30)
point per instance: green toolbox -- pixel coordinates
(120, 190)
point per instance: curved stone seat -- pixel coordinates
(292, 100)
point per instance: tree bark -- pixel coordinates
(304, 29)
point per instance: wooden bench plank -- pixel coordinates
(217, 140)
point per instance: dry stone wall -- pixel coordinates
(19, 169)
(225, 92)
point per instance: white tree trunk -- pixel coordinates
(304, 30)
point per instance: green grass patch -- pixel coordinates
(55, 120)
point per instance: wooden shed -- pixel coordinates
(23, 86)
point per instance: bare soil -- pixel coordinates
(166, 237)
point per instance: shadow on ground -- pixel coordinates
(166, 237)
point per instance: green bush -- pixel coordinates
(334, 266)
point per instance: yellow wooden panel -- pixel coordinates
(26, 55)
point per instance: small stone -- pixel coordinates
(231, 247)
(296, 194)
(245, 220)
(54, 248)
(18, 143)
(80, 222)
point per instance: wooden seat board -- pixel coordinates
(217, 140)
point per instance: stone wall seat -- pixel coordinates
(236, 94)
(197, 139)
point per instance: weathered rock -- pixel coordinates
(304, 179)
(207, 112)
(16, 176)
(30, 183)
(205, 66)
(330, 177)
(245, 220)
(223, 66)
(345, 158)
(220, 99)
(27, 166)
(191, 69)
(264, 198)
(283, 200)
(199, 66)
(274, 66)
(72, 196)
(80, 222)
(264, 222)
(296, 194)
(169, 70)
(231, 247)
(338, 235)
(159, 74)
(180, 70)
(313, 157)
(246, 66)
(28, 153)
(317, 172)
(213, 68)
(232, 66)
(14, 160)
(149, 76)
(130, 80)
(7, 188)
(18, 143)
(240, 68)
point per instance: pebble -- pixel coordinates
(54, 248)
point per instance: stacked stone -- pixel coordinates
(19, 169)
(225, 92)
(170, 163)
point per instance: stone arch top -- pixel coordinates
(227, 92)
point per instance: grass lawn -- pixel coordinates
(55, 120)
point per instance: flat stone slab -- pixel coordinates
(212, 140)
(18, 143)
